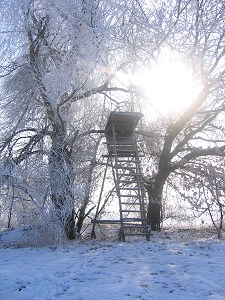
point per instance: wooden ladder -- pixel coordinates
(129, 185)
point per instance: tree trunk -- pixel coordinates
(82, 211)
(61, 178)
(70, 226)
(81, 217)
(154, 189)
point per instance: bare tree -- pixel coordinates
(59, 58)
(199, 38)
(203, 188)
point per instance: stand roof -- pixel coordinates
(123, 122)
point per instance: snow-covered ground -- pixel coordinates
(167, 267)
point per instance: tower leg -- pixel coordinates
(93, 235)
(121, 235)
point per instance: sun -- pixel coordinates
(167, 87)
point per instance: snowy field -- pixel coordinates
(167, 267)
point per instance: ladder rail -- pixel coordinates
(140, 184)
(116, 180)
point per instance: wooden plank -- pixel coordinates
(106, 221)
(134, 219)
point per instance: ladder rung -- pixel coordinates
(131, 174)
(106, 221)
(112, 155)
(133, 211)
(120, 143)
(126, 150)
(129, 161)
(123, 167)
(132, 189)
(126, 168)
(128, 224)
(132, 196)
(132, 203)
(119, 155)
(134, 219)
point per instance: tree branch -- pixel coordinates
(215, 151)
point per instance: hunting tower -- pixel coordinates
(123, 158)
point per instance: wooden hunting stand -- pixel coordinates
(124, 161)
